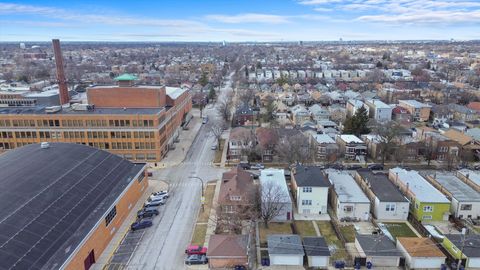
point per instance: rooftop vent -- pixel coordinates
(44, 145)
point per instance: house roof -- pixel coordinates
(227, 246)
(310, 176)
(349, 138)
(315, 246)
(383, 188)
(472, 243)
(323, 138)
(377, 245)
(346, 188)
(276, 177)
(285, 244)
(459, 190)
(458, 136)
(235, 182)
(474, 133)
(472, 175)
(474, 105)
(422, 189)
(126, 77)
(420, 247)
(415, 103)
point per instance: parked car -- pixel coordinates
(213, 147)
(156, 197)
(193, 249)
(147, 212)
(244, 165)
(257, 166)
(149, 174)
(161, 192)
(205, 120)
(354, 167)
(141, 224)
(335, 166)
(374, 167)
(196, 259)
(153, 203)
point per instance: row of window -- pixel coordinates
(307, 189)
(76, 123)
(306, 202)
(79, 134)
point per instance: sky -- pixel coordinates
(239, 20)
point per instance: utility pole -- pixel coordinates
(464, 230)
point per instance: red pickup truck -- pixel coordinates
(199, 250)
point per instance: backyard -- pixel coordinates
(335, 245)
(305, 228)
(273, 228)
(348, 232)
(399, 229)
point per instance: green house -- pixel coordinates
(471, 248)
(426, 202)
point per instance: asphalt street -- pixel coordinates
(163, 245)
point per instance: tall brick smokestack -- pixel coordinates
(62, 82)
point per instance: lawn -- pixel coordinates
(204, 215)
(198, 237)
(305, 228)
(219, 151)
(399, 230)
(348, 232)
(273, 228)
(326, 230)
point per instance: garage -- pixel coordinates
(285, 249)
(286, 259)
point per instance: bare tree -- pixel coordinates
(388, 134)
(217, 131)
(224, 106)
(270, 201)
(295, 149)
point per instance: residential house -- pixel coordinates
(465, 200)
(328, 127)
(426, 202)
(346, 198)
(237, 191)
(474, 105)
(471, 178)
(387, 202)
(319, 113)
(245, 114)
(338, 113)
(300, 115)
(441, 148)
(470, 148)
(468, 248)
(379, 250)
(327, 149)
(379, 111)
(353, 105)
(285, 249)
(351, 147)
(274, 187)
(310, 187)
(401, 115)
(317, 252)
(440, 114)
(241, 139)
(462, 113)
(225, 251)
(419, 111)
(420, 253)
(267, 139)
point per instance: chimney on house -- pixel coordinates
(61, 81)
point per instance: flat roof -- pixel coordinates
(350, 138)
(422, 189)
(472, 243)
(415, 103)
(50, 205)
(346, 187)
(41, 110)
(275, 177)
(323, 138)
(382, 187)
(377, 245)
(379, 104)
(174, 92)
(416, 247)
(459, 190)
(285, 244)
(472, 175)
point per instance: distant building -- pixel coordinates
(419, 111)
(379, 111)
(272, 182)
(352, 147)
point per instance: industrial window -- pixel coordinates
(111, 215)
(428, 208)
(466, 207)
(306, 202)
(307, 189)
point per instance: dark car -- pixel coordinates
(196, 259)
(257, 166)
(141, 224)
(147, 212)
(375, 167)
(354, 167)
(336, 166)
(244, 166)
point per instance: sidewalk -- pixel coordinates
(212, 223)
(186, 138)
(226, 136)
(106, 255)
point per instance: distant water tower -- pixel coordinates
(22, 46)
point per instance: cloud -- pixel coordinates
(249, 18)
(318, 2)
(428, 17)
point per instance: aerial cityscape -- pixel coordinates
(275, 135)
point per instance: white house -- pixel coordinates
(319, 113)
(347, 198)
(379, 111)
(285, 249)
(317, 252)
(274, 185)
(387, 201)
(311, 190)
(417, 256)
(353, 105)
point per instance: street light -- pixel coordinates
(203, 198)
